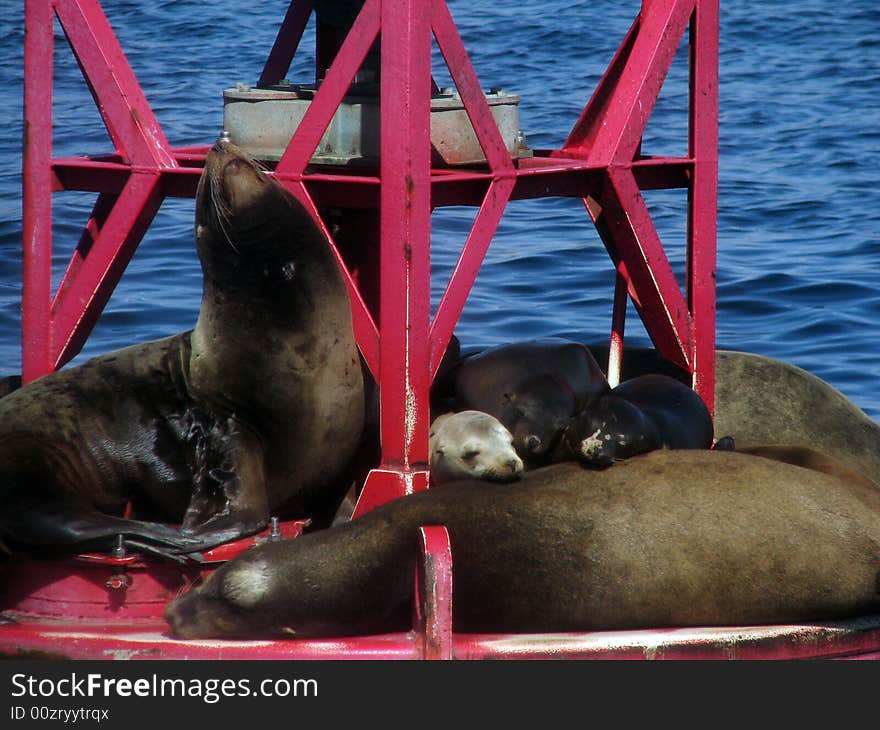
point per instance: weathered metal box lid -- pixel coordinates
(262, 121)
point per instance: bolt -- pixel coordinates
(274, 532)
(119, 550)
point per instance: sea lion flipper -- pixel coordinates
(229, 499)
(62, 524)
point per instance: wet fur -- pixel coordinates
(642, 414)
(205, 433)
(761, 401)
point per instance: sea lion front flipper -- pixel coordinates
(62, 523)
(229, 498)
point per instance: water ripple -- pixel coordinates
(799, 210)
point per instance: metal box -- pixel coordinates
(262, 121)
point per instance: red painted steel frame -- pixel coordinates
(601, 163)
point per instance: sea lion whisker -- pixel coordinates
(223, 217)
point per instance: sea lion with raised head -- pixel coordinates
(256, 410)
(532, 387)
(472, 445)
(669, 538)
(639, 415)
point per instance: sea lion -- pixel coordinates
(761, 401)
(639, 415)
(9, 384)
(472, 445)
(256, 410)
(668, 538)
(532, 387)
(809, 459)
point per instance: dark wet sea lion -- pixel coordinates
(9, 384)
(761, 401)
(642, 414)
(256, 410)
(669, 538)
(532, 387)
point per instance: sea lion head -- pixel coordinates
(250, 231)
(312, 585)
(222, 604)
(610, 430)
(241, 598)
(472, 445)
(536, 410)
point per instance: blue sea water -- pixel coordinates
(798, 205)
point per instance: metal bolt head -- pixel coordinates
(274, 531)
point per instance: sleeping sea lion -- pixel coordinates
(639, 415)
(762, 401)
(532, 387)
(472, 445)
(668, 538)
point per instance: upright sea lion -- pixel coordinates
(256, 410)
(472, 445)
(669, 538)
(761, 401)
(532, 387)
(639, 415)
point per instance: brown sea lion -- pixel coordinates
(256, 410)
(472, 445)
(668, 538)
(809, 459)
(639, 415)
(761, 401)
(532, 387)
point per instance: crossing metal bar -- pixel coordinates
(601, 162)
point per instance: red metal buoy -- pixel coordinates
(602, 163)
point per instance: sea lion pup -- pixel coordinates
(669, 538)
(639, 415)
(761, 401)
(256, 410)
(472, 445)
(532, 387)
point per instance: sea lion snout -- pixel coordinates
(218, 606)
(242, 184)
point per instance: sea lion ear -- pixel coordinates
(508, 397)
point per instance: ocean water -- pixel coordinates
(798, 205)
